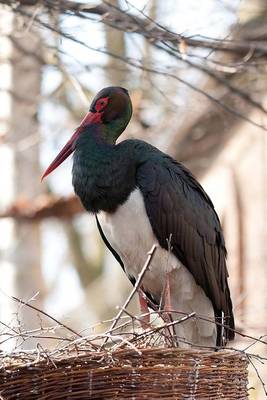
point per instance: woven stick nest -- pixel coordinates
(121, 363)
(148, 373)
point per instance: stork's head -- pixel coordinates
(111, 109)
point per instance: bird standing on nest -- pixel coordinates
(141, 196)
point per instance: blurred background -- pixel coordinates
(197, 75)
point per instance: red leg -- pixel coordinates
(145, 319)
(167, 316)
(167, 295)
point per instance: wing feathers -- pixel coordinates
(177, 205)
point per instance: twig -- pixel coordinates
(150, 331)
(47, 315)
(225, 82)
(136, 64)
(201, 317)
(254, 342)
(258, 374)
(166, 325)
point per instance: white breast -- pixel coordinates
(129, 232)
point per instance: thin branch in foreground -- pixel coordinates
(46, 314)
(150, 332)
(164, 326)
(258, 374)
(206, 319)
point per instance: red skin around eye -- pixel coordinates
(101, 104)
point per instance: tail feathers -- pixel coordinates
(225, 323)
(229, 321)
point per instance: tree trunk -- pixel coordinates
(115, 42)
(24, 247)
(6, 170)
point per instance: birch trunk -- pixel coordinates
(22, 135)
(6, 170)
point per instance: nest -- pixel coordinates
(124, 362)
(144, 373)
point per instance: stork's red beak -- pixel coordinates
(90, 118)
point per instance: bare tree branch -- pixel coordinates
(146, 31)
(124, 20)
(43, 207)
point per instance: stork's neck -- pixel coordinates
(115, 122)
(103, 174)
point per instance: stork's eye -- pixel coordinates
(101, 104)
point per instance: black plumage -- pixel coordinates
(181, 214)
(183, 218)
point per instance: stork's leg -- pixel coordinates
(145, 317)
(167, 308)
(167, 295)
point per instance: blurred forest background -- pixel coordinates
(197, 74)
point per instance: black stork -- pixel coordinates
(141, 196)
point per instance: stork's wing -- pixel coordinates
(181, 214)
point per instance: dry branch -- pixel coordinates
(43, 207)
(120, 19)
(126, 21)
